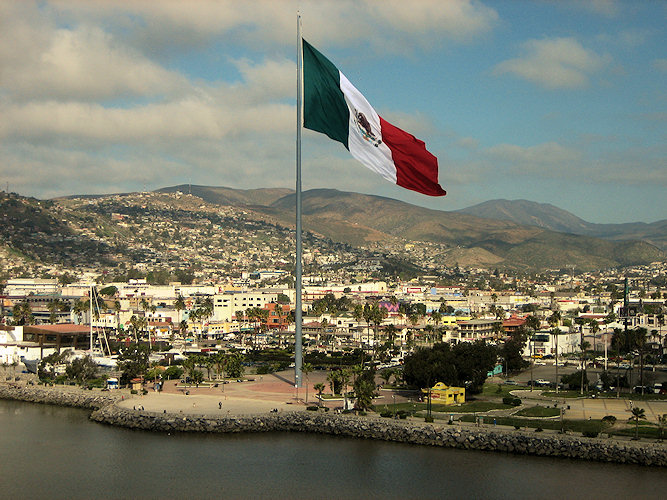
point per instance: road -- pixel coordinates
(548, 372)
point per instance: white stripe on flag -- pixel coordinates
(376, 158)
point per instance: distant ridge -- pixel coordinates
(230, 196)
(553, 218)
(508, 234)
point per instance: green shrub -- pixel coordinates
(134, 391)
(512, 401)
(590, 433)
(312, 408)
(610, 419)
(428, 419)
(263, 370)
(386, 414)
(539, 429)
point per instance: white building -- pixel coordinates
(227, 303)
(22, 287)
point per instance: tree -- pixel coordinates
(82, 369)
(576, 380)
(53, 306)
(319, 387)
(386, 374)
(220, 360)
(512, 351)
(47, 367)
(173, 372)
(132, 362)
(464, 365)
(584, 345)
(282, 299)
(662, 423)
(307, 369)
(190, 366)
(533, 324)
(364, 389)
(22, 314)
(179, 305)
(235, 365)
(208, 363)
(335, 382)
(637, 415)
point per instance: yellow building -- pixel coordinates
(446, 395)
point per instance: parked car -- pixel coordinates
(511, 382)
(540, 382)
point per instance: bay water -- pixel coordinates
(54, 452)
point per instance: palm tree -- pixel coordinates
(345, 374)
(306, 369)
(319, 387)
(556, 332)
(595, 328)
(78, 309)
(219, 359)
(637, 414)
(116, 309)
(179, 305)
(584, 345)
(53, 306)
(145, 305)
(640, 337)
(662, 423)
(533, 324)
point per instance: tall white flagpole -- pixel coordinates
(298, 354)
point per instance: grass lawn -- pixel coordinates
(477, 406)
(491, 390)
(568, 425)
(538, 411)
(473, 406)
(645, 431)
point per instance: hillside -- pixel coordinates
(512, 244)
(548, 216)
(222, 230)
(229, 196)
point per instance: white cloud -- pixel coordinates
(84, 63)
(557, 63)
(387, 26)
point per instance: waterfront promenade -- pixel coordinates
(262, 394)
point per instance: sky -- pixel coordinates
(553, 101)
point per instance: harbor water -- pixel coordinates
(53, 452)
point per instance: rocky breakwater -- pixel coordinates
(60, 396)
(518, 442)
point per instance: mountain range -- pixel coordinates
(514, 234)
(553, 218)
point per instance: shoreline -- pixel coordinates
(110, 408)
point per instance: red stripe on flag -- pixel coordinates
(416, 168)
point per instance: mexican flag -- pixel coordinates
(333, 106)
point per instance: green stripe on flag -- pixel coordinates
(324, 106)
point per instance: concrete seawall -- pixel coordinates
(60, 396)
(399, 431)
(409, 432)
